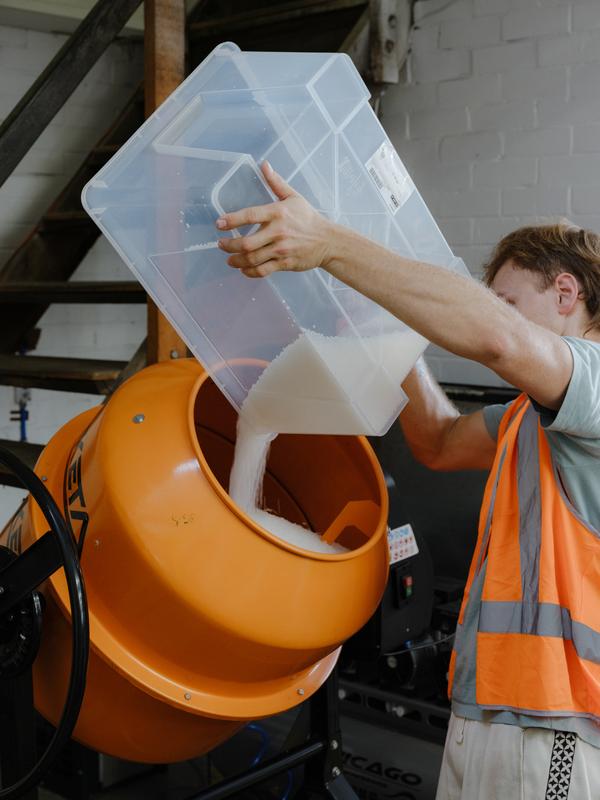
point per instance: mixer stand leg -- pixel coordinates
(17, 730)
(314, 743)
(323, 775)
(340, 789)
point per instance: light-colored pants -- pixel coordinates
(489, 761)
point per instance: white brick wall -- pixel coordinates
(79, 331)
(586, 139)
(526, 75)
(535, 22)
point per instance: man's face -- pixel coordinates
(522, 289)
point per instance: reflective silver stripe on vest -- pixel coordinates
(530, 516)
(488, 521)
(490, 512)
(465, 644)
(543, 619)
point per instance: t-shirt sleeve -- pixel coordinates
(492, 416)
(579, 414)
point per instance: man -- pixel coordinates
(525, 672)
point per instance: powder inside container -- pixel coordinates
(294, 534)
(333, 384)
(245, 489)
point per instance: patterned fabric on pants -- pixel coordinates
(490, 761)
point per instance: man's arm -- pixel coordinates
(439, 436)
(454, 312)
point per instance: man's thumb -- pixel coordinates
(279, 187)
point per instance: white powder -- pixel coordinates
(342, 385)
(249, 462)
(314, 386)
(245, 489)
(203, 246)
(294, 534)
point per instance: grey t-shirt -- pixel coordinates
(573, 431)
(574, 436)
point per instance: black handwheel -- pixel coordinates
(21, 572)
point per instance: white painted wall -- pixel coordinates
(79, 331)
(498, 121)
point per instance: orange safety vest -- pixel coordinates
(538, 621)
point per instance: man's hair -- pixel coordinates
(548, 250)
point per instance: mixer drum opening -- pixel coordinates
(309, 479)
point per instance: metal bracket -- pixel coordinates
(390, 27)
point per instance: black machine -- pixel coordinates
(393, 672)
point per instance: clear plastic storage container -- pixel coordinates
(295, 353)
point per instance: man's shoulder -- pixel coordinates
(587, 350)
(492, 416)
(579, 413)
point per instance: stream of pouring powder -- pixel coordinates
(308, 389)
(249, 463)
(245, 489)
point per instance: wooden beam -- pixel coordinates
(285, 12)
(138, 361)
(322, 33)
(61, 77)
(45, 292)
(86, 375)
(164, 53)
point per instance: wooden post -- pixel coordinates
(164, 56)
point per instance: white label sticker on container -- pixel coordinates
(402, 543)
(393, 181)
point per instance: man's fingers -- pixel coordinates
(245, 244)
(254, 259)
(279, 187)
(261, 272)
(255, 215)
(258, 215)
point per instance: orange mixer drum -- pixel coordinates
(200, 620)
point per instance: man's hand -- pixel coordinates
(292, 235)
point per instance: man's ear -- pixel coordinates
(567, 292)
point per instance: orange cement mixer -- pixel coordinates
(200, 620)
